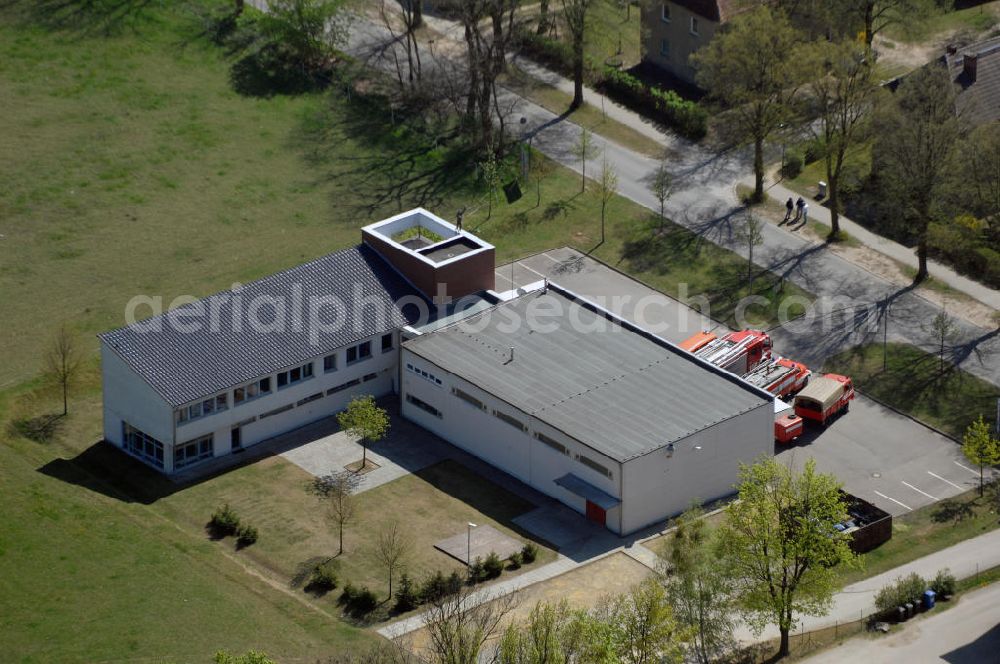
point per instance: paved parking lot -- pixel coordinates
(879, 455)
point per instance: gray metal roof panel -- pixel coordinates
(620, 392)
(185, 366)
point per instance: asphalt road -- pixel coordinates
(879, 455)
(968, 633)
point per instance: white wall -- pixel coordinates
(482, 434)
(129, 398)
(657, 486)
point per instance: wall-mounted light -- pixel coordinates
(670, 450)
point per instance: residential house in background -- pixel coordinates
(975, 69)
(674, 29)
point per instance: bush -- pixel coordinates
(477, 571)
(814, 150)
(793, 165)
(944, 583)
(516, 560)
(555, 54)
(904, 589)
(687, 117)
(358, 601)
(438, 586)
(324, 576)
(492, 566)
(224, 521)
(407, 597)
(246, 535)
(529, 553)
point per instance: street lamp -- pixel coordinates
(525, 150)
(781, 128)
(468, 544)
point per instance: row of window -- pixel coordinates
(142, 445)
(665, 17)
(541, 437)
(193, 452)
(423, 373)
(423, 405)
(249, 392)
(215, 404)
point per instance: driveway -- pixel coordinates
(968, 633)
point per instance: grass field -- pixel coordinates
(977, 19)
(914, 384)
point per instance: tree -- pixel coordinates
(411, 21)
(752, 234)
(608, 190)
(698, 589)
(844, 96)
(416, 9)
(943, 327)
(643, 626)
(914, 153)
(336, 490)
(543, 17)
(662, 186)
(780, 546)
(753, 66)
(980, 447)
(459, 625)
(981, 155)
(539, 641)
(250, 657)
(364, 420)
(490, 169)
(877, 15)
(584, 150)
(392, 547)
(575, 13)
(307, 31)
(63, 362)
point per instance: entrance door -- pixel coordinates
(236, 439)
(596, 513)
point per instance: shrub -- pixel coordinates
(529, 553)
(944, 583)
(407, 597)
(477, 571)
(793, 165)
(814, 150)
(687, 117)
(492, 566)
(902, 590)
(324, 576)
(224, 521)
(358, 602)
(516, 560)
(246, 535)
(438, 586)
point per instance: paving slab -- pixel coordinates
(479, 542)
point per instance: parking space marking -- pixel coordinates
(550, 258)
(893, 500)
(918, 490)
(965, 467)
(505, 278)
(944, 480)
(531, 270)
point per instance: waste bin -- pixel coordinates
(900, 613)
(909, 609)
(929, 596)
(822, 189)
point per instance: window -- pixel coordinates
(694, 26)
(386, 342)
(590, 463)
(193, 452)
(362, 351)
(423, 405)
(468, 398)
(665, 13)
(311, 397)
(665, 48)
(277, 411)
(194, 411)
(368, 377)
(514, 422)
(142, 445)
(426, 375)
(201, 409)
(258, 388)
(294, 375)
(554, 444)
(330, 363)
(221, 402)
(343, 386)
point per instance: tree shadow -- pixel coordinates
(84, 18)
(41, 429)
(954, 511)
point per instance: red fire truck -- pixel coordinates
(824, 397)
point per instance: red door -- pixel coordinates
(595, 513)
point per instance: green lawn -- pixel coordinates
(914, 384)
(975, 19)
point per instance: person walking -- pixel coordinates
(805, 213)
(798, 208)
(788, 209)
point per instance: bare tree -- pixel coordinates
(662, 186)
(543, 17)
(336, 490)
(392, 547)
(584, 150)
(389, 12)
(460, 624)
(608, 190)
(944, 329)
(575, 13)
(752, 234)
(63, 362)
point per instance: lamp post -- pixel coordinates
(525, 150)
(781, 128)
(468, 544)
